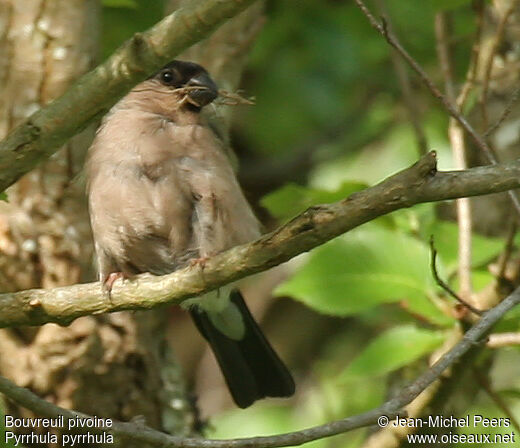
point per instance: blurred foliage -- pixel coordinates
(366, 267)
(321, 74)
(292, 199)
(122, 18)
(393, 349)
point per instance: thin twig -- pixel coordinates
(479, 141)
(498, 340)
(443, 284)
(234, 98)
(504, 259)
(464, 215)
(507, 111)
(499, 36)
(443, 54)
(497, 399)
(471, 74)
(456, 136)
(409, 98)
(386, 412)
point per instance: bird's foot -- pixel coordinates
(109, 281)
(200, 261)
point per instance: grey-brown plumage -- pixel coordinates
(162, 192)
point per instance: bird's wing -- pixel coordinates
(222, 217)
(141, 210)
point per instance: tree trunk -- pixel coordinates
(114, 366)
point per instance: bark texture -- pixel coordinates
(114, 366)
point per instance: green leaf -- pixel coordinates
(510, 393)
(293, 199)
(263, 419)
(366, 267)
(413, 220)
(132, 4)
(393, 349)
(3, 196)
(481, 279)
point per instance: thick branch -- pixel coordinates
(46, 130)
(389, 410)
(418, 183)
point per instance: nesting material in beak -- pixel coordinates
(202, 90)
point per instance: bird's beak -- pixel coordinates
(204, 95)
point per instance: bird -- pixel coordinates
(163, 195)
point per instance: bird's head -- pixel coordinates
(179, 85)
(191, 81)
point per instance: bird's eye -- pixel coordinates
(167, 77)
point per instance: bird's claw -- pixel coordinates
(109, 281)
(201, 261)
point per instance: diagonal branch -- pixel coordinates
(416, 184)
(381, 415)
(93, 94)
(448, 105)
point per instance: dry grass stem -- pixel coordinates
(234, 98)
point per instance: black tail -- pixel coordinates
(251, 367)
